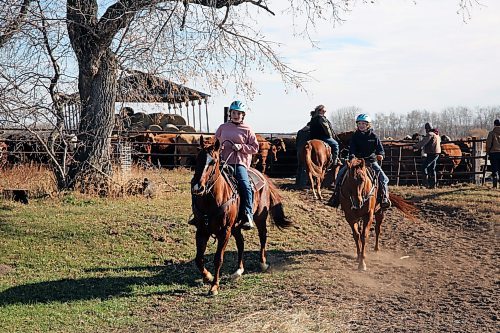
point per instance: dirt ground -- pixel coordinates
(439, 274)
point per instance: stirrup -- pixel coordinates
(247, 223)
(385, 203)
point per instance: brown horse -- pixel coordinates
(358, 199)
(316, 156)
(215, 204)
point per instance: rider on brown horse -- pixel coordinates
(321, 129)
(365, 144)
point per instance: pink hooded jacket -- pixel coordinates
(237, 133)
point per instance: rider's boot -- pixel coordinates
(385, 203)
(335, 199)
(247, 222)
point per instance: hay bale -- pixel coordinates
(155, 128)
(141, 119)
(187, 128)
(157, 117)
(173, 119)
(171, 128)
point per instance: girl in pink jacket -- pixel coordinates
(239, 143)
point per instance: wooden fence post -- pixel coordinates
(399, 167)
(476, 160)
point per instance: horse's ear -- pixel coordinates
(362, 162)
(349, 163)
(216, 144)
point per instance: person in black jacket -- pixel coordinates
(365, 144)
(321, 129)
(303, 135)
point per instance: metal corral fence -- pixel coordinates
(401, 164)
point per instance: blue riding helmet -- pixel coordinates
(364, 117)
(238, 106)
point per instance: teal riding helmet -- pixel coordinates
(363, 117)
(238, 106)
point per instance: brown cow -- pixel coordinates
(142, 145)
(187, 147)
(451, 156)
(266, 146)
(163, 149)
(261, 156)
(277, 145)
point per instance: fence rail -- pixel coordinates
(401, 169)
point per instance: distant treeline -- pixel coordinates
(456, 122)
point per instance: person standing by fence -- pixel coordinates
(431, 145)
(493, 150)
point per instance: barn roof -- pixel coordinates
(140, 87)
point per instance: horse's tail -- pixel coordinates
(407, 208)
(310, 166)
(276, 207)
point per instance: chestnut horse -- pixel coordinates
(316, 156)
(358, 199)
(215, 204)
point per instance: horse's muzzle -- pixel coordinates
(197, 189)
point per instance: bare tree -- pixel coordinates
(217, 40)
(343, 118)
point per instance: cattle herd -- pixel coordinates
(277, 156)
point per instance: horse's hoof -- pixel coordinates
(236, 275)
(264, 267)
(362, 267)
(213, 292)
(208, 278)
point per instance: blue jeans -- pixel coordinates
(495, 165)
(383, 180)
(429, 168)
(245, 189)
(334, 145)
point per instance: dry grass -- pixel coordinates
(40, 181)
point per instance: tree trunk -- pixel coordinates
(91, 170)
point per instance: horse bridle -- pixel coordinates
(208, 188)
(367, 196)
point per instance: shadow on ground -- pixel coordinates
(184, 275)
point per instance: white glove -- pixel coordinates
(237, 146)
(380, 157)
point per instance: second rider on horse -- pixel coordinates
(321, 129)
(365, 144)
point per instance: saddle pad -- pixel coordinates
(256, 178)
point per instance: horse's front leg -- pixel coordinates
(379, 217)
(262, 226)
(222, 240)
(355, 235)
(364, 234)
(240, 244)
(201, 246)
